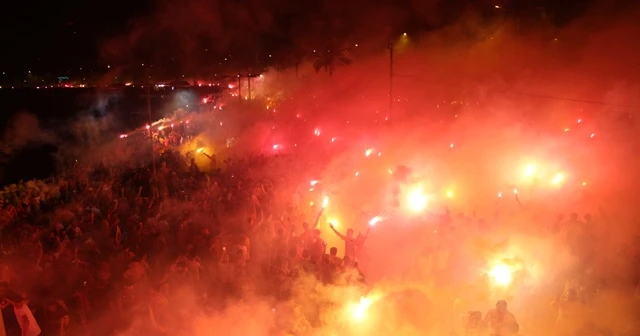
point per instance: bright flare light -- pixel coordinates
(360, 310)
(368, 152)
(558, 179)
(417, 200)
(375, 220)
(200, 149)
(530, 170)
(316, 132)
(325, 202)
(501, 275)
(314, 182)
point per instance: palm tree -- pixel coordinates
(330, 58)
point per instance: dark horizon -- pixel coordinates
(81, 40)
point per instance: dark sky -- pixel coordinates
(46, 35)
(49, 37)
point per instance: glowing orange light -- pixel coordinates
(313, 182)
(451, 145)
(584, 183)
(310, 203)
(333, 139)
(501, 275)
(200, 149)
(417, 200)
(360, 310)
(530, 170)
(148, 127)
(325, 201)
(375, 220)
(368, 152)
(390, 171)
(357, 173)
(499, 195)
(558, 179)
(515, 191)
(122, 136)
(566, 130)
(160, 128)
(450, 193)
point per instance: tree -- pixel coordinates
(331, 58)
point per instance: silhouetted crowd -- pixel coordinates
(110, 246)
(107, 248)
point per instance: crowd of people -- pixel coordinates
(107, 246)
(106, 249)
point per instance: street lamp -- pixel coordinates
(390, 46)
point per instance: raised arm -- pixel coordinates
(336, 232)
(315, 224)
(366, 235)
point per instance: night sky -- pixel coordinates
(53, 37)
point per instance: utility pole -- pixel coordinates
(390, 78)
(239, 87)
(249, 85)
(153, 154)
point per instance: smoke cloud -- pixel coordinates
(472, 102)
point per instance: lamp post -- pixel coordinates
(390, 46)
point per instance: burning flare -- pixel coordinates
(501, 275)
(417, 200)
(375, 220)
(360, 310)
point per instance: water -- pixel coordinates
(58, 109)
